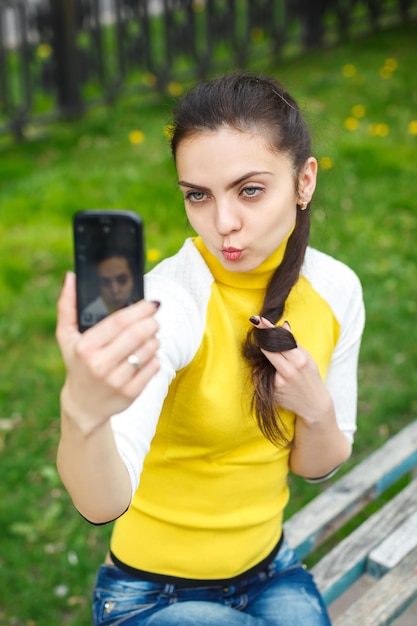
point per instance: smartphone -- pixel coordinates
(109, 262)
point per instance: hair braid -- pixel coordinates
(275, 339)
(256, 103)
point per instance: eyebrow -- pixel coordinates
(241, 179)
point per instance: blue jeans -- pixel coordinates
(284, 594)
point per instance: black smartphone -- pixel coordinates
(109, 262)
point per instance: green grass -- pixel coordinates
(365, 213)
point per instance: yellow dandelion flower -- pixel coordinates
(349, 70)
(149, 79)
(351, 123)
(175, 89)
(383, 130)
(378, 130)
(44, 50)
(136, 137)
(326, 163)
(153, 255)
(385, 72)
(391, 64)
(412, 127)
(256, 35)
(358, 110)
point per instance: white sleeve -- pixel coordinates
(341, 289)
(342, 376)
(182, 286)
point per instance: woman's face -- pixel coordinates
(116, 282)
(240, 197)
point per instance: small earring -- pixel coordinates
(303, 205)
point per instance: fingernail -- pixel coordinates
(156, 304)
(255, 319)
(287, 322)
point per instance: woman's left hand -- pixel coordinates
(298, 385)
(318, 446)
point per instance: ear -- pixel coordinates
(307, 180)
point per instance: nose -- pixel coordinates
(227, 218)
(114, 287)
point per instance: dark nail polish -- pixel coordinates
(255, 320)
(156, 304)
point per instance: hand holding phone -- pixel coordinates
(109, 263)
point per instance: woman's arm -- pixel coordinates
(99, 383)
(319, 446)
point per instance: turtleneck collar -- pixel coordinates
(255, 279)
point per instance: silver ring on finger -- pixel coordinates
(135, 361)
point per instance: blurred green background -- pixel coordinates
(360, 100)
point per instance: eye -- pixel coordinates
(252, 191)
(195, 196)
(122, 279)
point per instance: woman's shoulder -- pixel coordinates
(182, 283)
(335, 281)
(186, 269)
(319, 266)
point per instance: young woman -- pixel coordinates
(182, 421)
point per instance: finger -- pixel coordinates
(290, 362)
(263, 322)
(133, 363)
(277, 359)
(145, 354)
(139, 381)
(260, 322)
(129, 341)
(122, 320)
(67, 310)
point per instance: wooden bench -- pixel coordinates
(383, 546)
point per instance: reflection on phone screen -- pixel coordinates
(109, 267)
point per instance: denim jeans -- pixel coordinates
(284, 594)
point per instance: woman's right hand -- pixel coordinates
(100, 380)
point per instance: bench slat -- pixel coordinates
(394, 548)
(342, 500)
(346, 562)
(387, 599)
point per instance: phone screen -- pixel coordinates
(109, 263)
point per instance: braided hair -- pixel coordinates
(257, 103)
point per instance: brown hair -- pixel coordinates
(257, 103)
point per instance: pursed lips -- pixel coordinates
(232, 254)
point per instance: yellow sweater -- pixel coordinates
(212, 491)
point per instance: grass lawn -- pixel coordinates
(361, 101)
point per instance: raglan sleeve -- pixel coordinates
(179, 337)
(342, 376)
